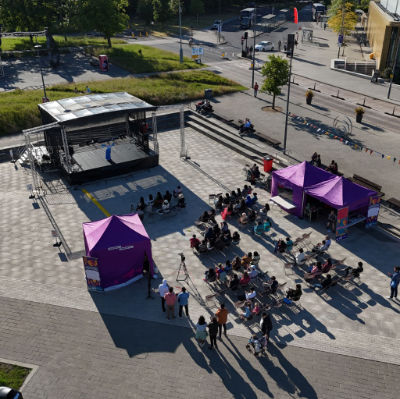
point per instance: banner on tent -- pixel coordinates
(373, 211)
(341, 223)
(92, 274)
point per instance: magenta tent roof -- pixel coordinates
(340, 192)
(124, 229)
(303, 174)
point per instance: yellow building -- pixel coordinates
(383, 32)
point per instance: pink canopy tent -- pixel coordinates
(297, 178)
(120, 244)
(340, 192)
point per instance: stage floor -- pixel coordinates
(90, 162)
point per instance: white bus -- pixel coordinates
(318, 9)
(246, 17)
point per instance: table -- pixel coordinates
(282, 202)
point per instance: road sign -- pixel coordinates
(197, 51)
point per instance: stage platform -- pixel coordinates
(90, 163)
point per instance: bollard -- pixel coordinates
(147, 34)
(133, 35)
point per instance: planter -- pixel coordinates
(309, 100)
(359, 117)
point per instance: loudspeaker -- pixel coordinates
(290, 44)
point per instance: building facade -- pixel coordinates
(383, 32)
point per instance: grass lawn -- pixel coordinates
(12, 376)
(24, 43)
(18, 109)
(152, 59)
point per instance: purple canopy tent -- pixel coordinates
(296, 178)
(340, 192)
(120, 244)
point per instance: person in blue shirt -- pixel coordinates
(394, 282)
(183, 301)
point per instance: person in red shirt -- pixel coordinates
(194, 242)
(245, 279)
(170, 300)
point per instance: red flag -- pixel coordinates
(296, 16)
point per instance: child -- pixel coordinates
(254, 345)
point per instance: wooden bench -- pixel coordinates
(268, 139)
(362, 181)
(394, 203)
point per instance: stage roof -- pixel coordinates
(74, 108)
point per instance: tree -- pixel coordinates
(105, 16)
(160, 10)
(196, 8)
(342, 17)
(145, 10)
(276, 72)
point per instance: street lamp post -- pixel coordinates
(254, 45)
(290, 54)
(180, 34)
(38, 47)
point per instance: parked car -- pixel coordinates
(216, 23)
(265, 46)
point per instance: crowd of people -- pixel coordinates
(160, 203)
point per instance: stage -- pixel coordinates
(90, 163)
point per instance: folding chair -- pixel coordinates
(288, 265)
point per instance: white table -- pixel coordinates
(282, 202)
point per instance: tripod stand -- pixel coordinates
(182, 274)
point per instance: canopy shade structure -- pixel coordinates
(296, 178)
(340, 192)
(120, 244)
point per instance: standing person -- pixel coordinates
(331, 224)
(170, 300)
(213, 331)
(201, 331)
(162, 290)
(255, 89)
(222, 318)
(279, 45)
(266, 326)
(394, 282)
(88, 91)
(183, 301)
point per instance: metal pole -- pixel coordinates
(287, 105)
(394, 67)
(254, 45)
(38, 46)
(180, 34)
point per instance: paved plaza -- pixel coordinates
(343, 343)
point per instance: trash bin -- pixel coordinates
(208, 94)
(8, 393)
(268, 164)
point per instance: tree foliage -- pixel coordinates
(145, 10)
(160, 10)
(196, 7)
(276, 72)
(346, 24)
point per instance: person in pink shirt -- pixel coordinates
(170, 300)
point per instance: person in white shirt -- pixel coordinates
(251, 295)
(165, 207)
(301, 257)
(162, 290)
(253, 271)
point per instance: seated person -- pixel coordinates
(246, 260)
(227, 199)
(354, 272)
(234, 283)
(195, 242)
(253, 271)
(246, 315)
(158, 200)
(204, 217)
(228, 266)
(168, 196)
(209, 234)
(267, 225)
(315, 269)
(236, 207)
(219, 243)
(235, 238)
(219, 203)
(281, 246)
(177, 191)
(294, 294)
(327, 281)
(246, 190)
(301, 257)
(327, 244)
(222, 276)
(258, 228)
(245, 280)
(255, 171)
(216, 230)
(256, 258)
(226, 238)
(254, 199)
(327, 266)
(271, 286)
(238, 193)
(210, 275)
(181, 200)
(289, 244)
(242, 206)
(224, 227)
(150, 202)
(236, 263)
(249, 201)
(243, 218)
(319, 247)
(227, 211)
(251, 294)
(210, 244)
(256, 309)
(252, 215)
(165, 207)
(211, 217)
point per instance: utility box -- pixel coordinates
(103, 62)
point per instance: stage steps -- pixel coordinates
(226, 136)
